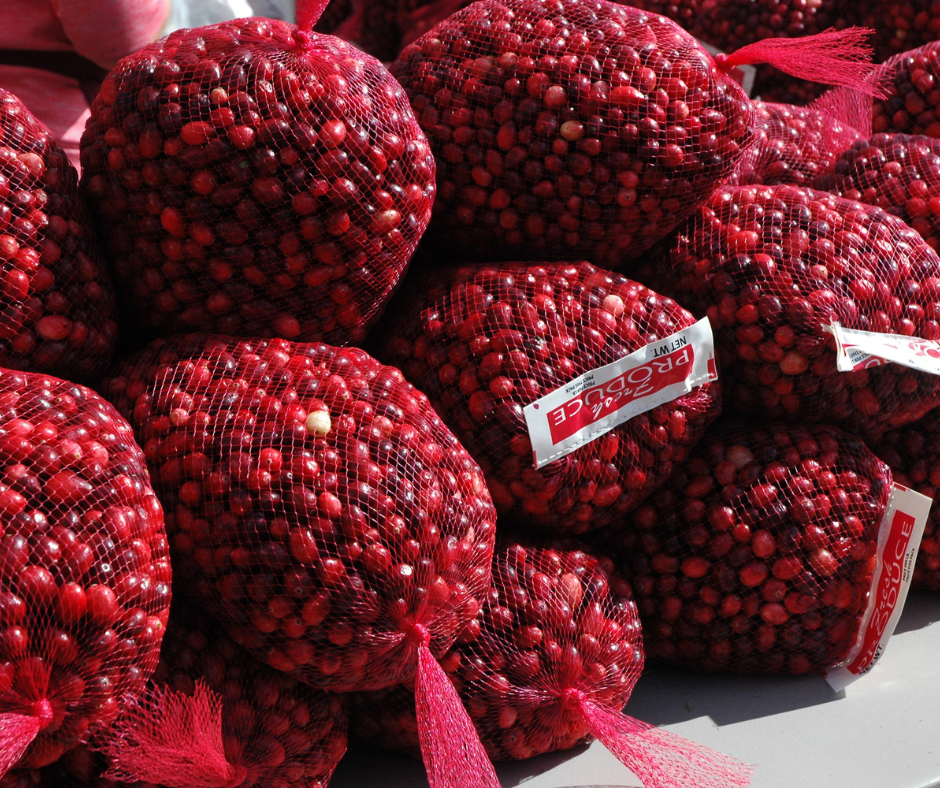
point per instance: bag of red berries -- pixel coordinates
(912, 104)
(257, 179)
(215, 717)
(773, 549)
(791, 278)
(573, 129)
(897, 172)
(910, 452)
(794, 145)
(85, 580)
(322, 511)
(548, 665)
(576, 389)
(57, 311)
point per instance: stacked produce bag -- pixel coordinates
(441, 397)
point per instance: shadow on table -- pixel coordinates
(664, 696)
(518, 772)
(365, 767)
(920, 611)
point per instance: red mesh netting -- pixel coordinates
(897, 172)
(793, 145)
(486, 341)
(757, 555)
(911, 453)
(567, 129)
(215, 717)
(548, 665)
(314, 500)
(771, 266)
(259, 180)
(57, 311)
(912, 105)
(732, 24)
(85, 581)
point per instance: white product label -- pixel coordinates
(597, 401)
(865, 349)
(743, 75)
(899, 535)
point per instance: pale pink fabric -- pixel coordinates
(101, 30)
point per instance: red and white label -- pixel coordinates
(898, 541)
(866, 349)
(597, 401)
(743, 75)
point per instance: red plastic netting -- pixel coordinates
(771, 266)
(911, 453)
(485, 341)
(318, 506)
(257, 180)
(732, 24)
(548, 665)
(214, 717)
(757, 555)
(912, 105)
(85, 586)
(57, 312)
(897, 172)
(794, 145)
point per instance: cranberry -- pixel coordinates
(485, 341)
(897, 172)
(57, 308)
(557, 621)
(909, 452)
(771, 266)
(912, 105)
(83, 602)
(793, 568)
(278, 187)
(377, 521)
(262, 711)
(683, 12)
(899, 26)
(557, 138)
(794, 145)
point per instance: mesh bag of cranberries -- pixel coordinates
(215, 717)
(897, 172)
(548, 664)
(912, 105)
(319, 507)
(794, 145)
(911, 453)
(486, 341)
(84, 568)
(758, 554)
(57, 311)
(774, 267)
(257, 180)
(570, 129)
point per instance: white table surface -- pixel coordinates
(881, 732)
